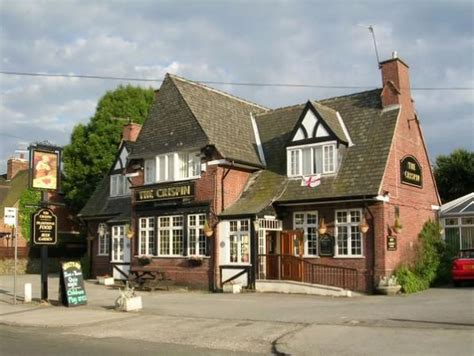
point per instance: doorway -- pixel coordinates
(120, 257)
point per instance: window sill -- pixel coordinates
(350, 257)
(172, 256)
(102, 255)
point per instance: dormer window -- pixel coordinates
(312, 159)
(173, 167)
(119, 185)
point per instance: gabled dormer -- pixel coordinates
(119, 184)
(316, 142)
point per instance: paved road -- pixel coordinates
(435, 322)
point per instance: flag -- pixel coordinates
(311, 181)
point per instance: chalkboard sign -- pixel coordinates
(72, 285)
(326, 245)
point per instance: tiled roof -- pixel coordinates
(330, 118)
(10, 194)
(361, 169)
(188, 115)
(100, 204)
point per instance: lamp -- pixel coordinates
(322, 227)
(129, 231)
(363, 226)
(208, 230)
(102, 230)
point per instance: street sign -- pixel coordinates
(45, 231)
(10, 216)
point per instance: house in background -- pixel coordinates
(314, 193)
(457, 219)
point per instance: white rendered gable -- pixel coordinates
(307, 126)
(122, 160)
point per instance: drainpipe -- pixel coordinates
(372, 240)
(222, 185)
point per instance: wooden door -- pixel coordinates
(272, 263)
(291, 266)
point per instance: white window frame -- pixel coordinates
(324, 164)
(103, 248)
(144, 234)
(174, 159)
(149, 166)
(198, 229)
(119, 185)
(305, 227)
(348, 224)
(459, 226)
(171, 237)
(239, 234)
(118, 232)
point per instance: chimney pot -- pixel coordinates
(131, 131)
(394, 54)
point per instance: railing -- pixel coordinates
(294, 268)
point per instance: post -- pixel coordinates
(14, 234)
(44, 260)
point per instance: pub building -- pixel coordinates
(331, 192)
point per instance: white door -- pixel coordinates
(120, 258)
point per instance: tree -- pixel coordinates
(93, 146)
(455, 174)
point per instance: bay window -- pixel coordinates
(348, 236)
(312, 159)
(239, 241)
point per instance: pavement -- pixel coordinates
(435, 322)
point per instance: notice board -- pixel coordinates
(71, 283)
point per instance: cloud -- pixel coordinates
(278, 42)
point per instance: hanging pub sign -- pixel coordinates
(410, 171)
(45, 167)
(391, 243)
(45, 227)
(72, 285)
(326, 246)
(166, 192)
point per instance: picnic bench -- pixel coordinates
(147, 277)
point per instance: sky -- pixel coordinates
(299, 42)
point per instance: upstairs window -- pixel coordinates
(173, 166)
(312, 159)
(119, 185)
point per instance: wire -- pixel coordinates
(251, 84)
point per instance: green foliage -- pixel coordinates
(455, 174)
(427, 266)
(93, 146)
(29, 199)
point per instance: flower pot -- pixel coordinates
(106, 281)
(388, 290)
(132, 304)
(232, 288)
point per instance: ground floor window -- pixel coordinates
(171, 235)
(118, 242)
(146, 241)
(459, 232)
(197, 239)
(104, 240)
(348, 236)
(308, 222)
(239, 241)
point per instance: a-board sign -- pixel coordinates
(391, 243)
(45, 227)
(326, 245)
(72, 284)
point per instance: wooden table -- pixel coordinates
(139, 275)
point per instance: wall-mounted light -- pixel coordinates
(208, 230)
(363, 226)
(129, 231)
(102, 230)
(322, 227)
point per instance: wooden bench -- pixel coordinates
(148, 277)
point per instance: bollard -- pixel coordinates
(27, 293)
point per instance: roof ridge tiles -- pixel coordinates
(174, 76)
(348, 95)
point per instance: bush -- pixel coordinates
(428, 265)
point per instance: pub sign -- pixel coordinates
(410, 171)
(45, 167)
(391, 243)
(45, 227)
(166, 192)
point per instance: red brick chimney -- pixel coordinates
(131, 131)
(396, 83)
(15, 165)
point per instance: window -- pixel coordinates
(459, 232)
(170, 233)
(146, 236)
(348, 236)
(119, 185)
(239, 241)
(197, 239)
(173, 166)
(308, 222)
(150, 174)
(312, 159)
(104, 241)
(118, 240)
